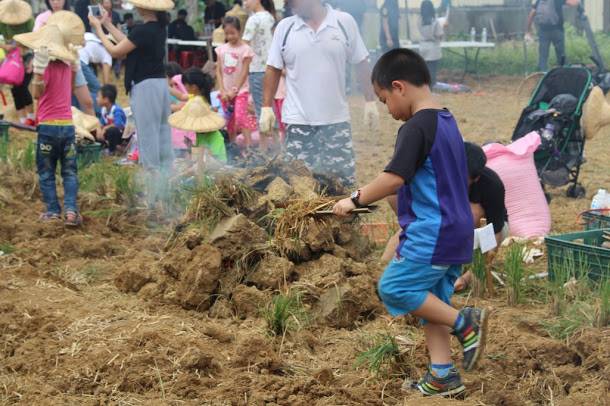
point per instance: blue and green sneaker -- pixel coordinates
(430, 385)
(472, 335)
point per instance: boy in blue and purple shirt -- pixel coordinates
(429, 176)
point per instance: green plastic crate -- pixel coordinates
(595, 220)
(580, 251)
(88, 154)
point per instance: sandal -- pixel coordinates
(73, 219)
(49, 217)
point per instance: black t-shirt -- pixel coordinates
(489, 192)
(558, 8)
(413, 144)
(215, 12)
(146, 61)
(390, 11)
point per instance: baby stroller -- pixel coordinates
(554, 111)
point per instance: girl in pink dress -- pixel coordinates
(232, 71)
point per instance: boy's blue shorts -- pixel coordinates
(405, 284)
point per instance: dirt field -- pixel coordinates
(72, 332)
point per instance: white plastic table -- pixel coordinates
(451, 46)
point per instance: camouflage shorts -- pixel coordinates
(325, 149)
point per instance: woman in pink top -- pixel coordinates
(53, 7)
(232, 71)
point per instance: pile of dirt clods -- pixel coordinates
(267, 237)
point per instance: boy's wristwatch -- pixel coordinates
(355, 197)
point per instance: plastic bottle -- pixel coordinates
(484, 35)
(473, 34)
(548, 132)
(600, 200)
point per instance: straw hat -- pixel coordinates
(14, 12)
(155, 5)
(596, 113)
(83, 120)
(84, 124)
(70, 25)
(196, 116)
(218, 36)
(49, 36)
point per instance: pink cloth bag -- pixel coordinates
(528, 211)
(179, 137)
(12, 70)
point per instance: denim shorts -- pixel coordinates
(405, 284)
(80, 79)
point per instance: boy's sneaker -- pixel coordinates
(472, 336)
(431, 385)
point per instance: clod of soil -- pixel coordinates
(272, 273)
(305, 187)
(344, 305)
(235, 235)
(249, 301)
(278, 192)
(200, 278)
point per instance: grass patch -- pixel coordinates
(478, 273)
(514, 270)
(381, 356)
(577, 316)
(285, 313)
(7, 248)
(603, 313)
(508, 58)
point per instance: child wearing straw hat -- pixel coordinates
(197, 116)
(54, 62)
(16, 18)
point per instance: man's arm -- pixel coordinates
(530, 20)
(271, 83)
(363, 71)
(106, 69)
(573, 3)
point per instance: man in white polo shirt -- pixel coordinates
(314, 47)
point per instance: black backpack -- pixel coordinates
(546, 14)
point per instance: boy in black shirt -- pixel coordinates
(486, 194)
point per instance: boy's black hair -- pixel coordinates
(109, 92)
(476, 159)
(182, 12)
(234, 21)
(403, 65)
(127, 16)
(172, 69)
(203, 81)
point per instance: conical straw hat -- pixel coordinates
(218, 36)
(83, 120)
(156, 5)
(14, 12)
(196, 116)
(70, 25)
(50, 37)
(596, 113)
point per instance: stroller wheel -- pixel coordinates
(576, 191)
